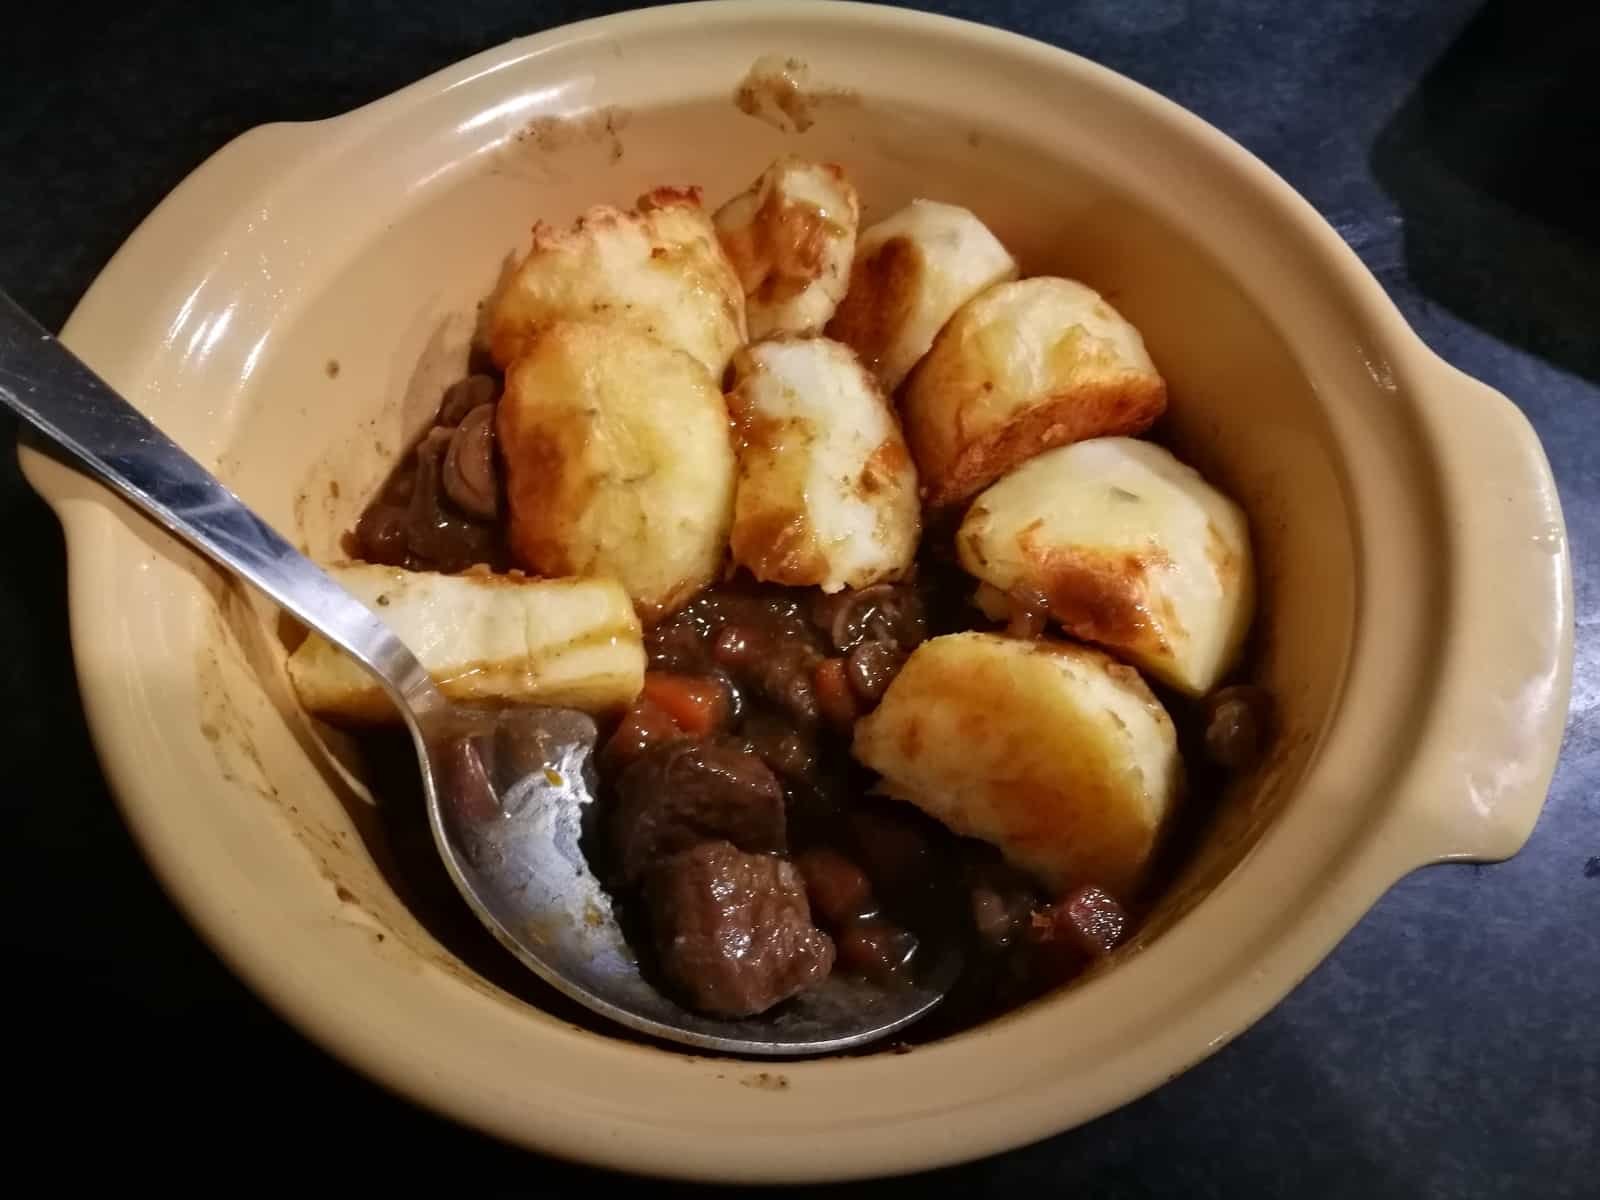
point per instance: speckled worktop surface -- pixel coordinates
(1449, 1047)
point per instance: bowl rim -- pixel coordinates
(1411, 830)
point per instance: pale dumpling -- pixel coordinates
(791, 238)
(618, 462)
(1130, 549)
(912, 270)
(1055, 753)
(827, 493)
(1024, 367)
(567, 643)
(657, 270)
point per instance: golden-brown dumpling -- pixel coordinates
(1022, 368)
(791, 238)
(827, 493)
(1055, 753)
(1130, 548)
(658, 270)
(912, 270)
(567, 643)
(618, 462)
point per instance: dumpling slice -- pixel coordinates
(1056, 754)
(657, 270)
(827, 493)
(912, 270)
(1129, 548)
(618, 462)
(791, 238)
(1022, 368)
(568, 643)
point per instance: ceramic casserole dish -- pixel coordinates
(292, 310)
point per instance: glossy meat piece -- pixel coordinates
(734, 931)
(1088, 919)
(680, 793)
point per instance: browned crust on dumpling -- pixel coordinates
(888, 463)
(669, 197)
(883, 288)
(561, 480)
(1099, 597)
(545, 489)
(779, 546)
(511, 324)
(953, 473)
(780, 252)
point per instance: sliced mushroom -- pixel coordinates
(471, 478)
(381, 535)
(464, 396)
(439, 537)
(884, 612)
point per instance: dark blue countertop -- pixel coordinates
(1449, 1047)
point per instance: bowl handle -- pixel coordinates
(198, 211)
(1489, 749)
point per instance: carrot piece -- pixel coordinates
(642, 726)
(698, 705)
(835, 697)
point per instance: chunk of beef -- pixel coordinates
(733, 930)
(676, 794)
(1088, 920)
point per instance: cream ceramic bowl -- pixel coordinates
(292, 310)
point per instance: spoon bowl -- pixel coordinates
(508, 794)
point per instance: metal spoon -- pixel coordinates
(506, 790)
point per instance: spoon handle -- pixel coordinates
(51, 389)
